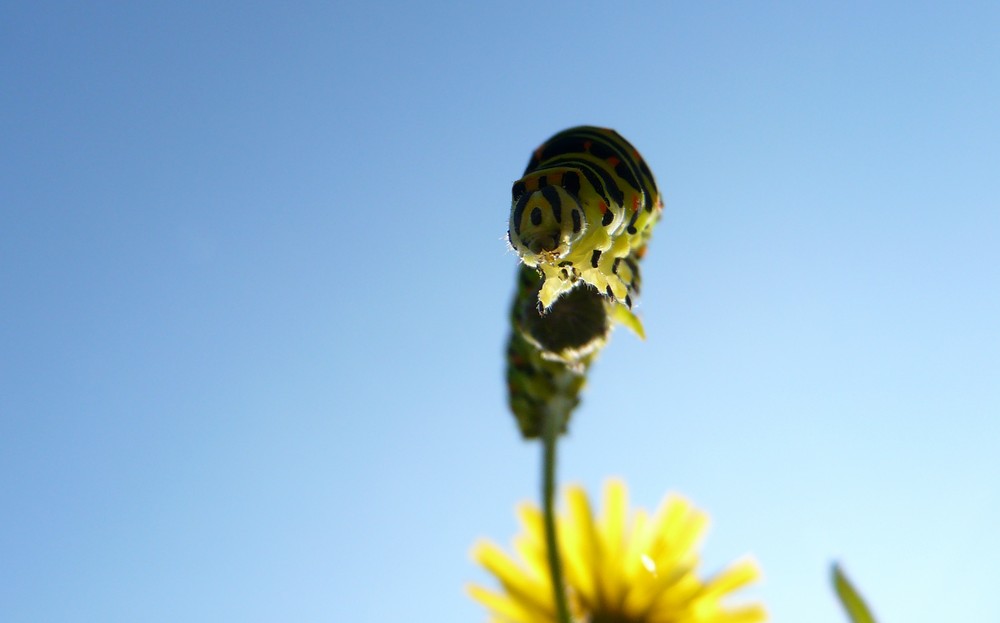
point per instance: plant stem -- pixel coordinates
(554, 419)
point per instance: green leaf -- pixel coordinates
(850, 599)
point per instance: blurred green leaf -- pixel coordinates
(849, 597)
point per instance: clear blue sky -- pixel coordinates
(254, 296)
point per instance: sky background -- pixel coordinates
(255, 286)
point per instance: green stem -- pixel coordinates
(554, 418)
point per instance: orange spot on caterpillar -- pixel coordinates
(635, 203)
(603, 206)
(613, 161)
(586, 145)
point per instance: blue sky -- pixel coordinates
(255, 292)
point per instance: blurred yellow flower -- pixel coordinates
(617, 570)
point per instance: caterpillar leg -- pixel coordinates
(558, 281)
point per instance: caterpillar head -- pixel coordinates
(544, 223)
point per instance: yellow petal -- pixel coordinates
(504, 606)
(738, 575)
(579, 545)
(678, 532)
(637, 549)
(530, 593)
(612, 541)
(530, 544)
(752, 613)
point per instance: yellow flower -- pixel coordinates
(616, 570)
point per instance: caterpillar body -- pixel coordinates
(583, 212)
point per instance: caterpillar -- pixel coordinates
(580, 220)
(583, 212)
